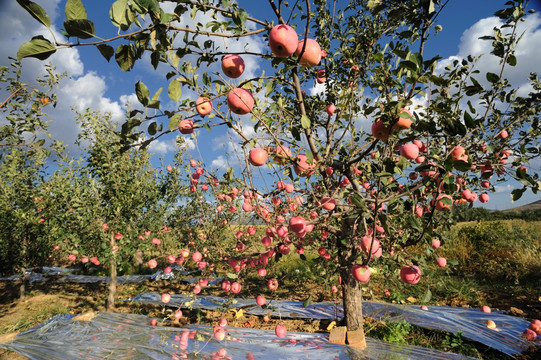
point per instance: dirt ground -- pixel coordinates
(48, 299)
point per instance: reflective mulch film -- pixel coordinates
(129, 336)
(506, 337)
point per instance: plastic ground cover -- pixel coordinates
(506, 337)
(130, 336)
(58, 274)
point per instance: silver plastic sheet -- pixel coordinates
(130, 336)
(57, 274)
(506, 337)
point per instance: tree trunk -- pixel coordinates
(351, 288)
(22, 287)
(110, 303)
(352, 301)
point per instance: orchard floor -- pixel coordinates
(45, 300)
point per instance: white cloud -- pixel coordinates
(503, 188)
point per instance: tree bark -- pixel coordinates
(22, 287)
(351, 288)
(110, 304)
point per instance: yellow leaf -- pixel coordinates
(331, 325)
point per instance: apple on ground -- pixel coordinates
(280, 330)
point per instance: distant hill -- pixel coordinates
(528, 207)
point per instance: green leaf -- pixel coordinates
(75, 10)
(174, 90)
(125, 56)
(512, 60)
(36, 11)
(307, 302)
(119, 14)
(468, 120)
(409, 65)
(305, 122)
(516, 194)
(142, 93)
(427, 296)
(155, 103)
(81, 28)
(174, 121)
(152, 128)
(493, 78)
(231, 275)
(38, 47)
(148, 5)
(106, 50)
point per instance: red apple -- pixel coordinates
(484, 198)
(485, 309)
(297, 224)
(402, 123)
(232, 65)
(302, 167)
(331, 109)
(535, 325)
(186, 126)
(328, 203)
(320, 76)
(166, 298)
(459, 153)
(424, 307)
(272, 284)
(219, 333)
(529, 335)
(235, 288)
(440, 205)
(240, 101)
(260, 300)
(312, 53)
(409, 151)
(280, 330)
(410, 274)
(503, 134)
(361, 273)
(262, 272)
(380, 131)
(282, 154)
(442, 262)
(197, 256)
(257, 157)
(203, 106)
(283, 40)
(153, 322)
(436, 243)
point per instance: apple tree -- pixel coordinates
(363, 196)
(23, 155)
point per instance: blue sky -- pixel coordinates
(97, 84)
